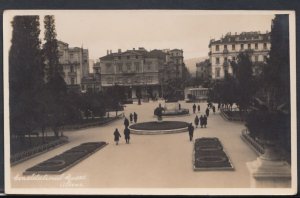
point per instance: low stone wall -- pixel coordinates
(230, 118)
(38, 150)
(254, 145)
(92, 124)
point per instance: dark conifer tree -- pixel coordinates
(277, 70)
(25, 74)
(56, 86)
(245, 80)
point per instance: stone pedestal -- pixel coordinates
(268, 171)
(159, 119)
(171, 107)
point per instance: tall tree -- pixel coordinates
(277, 71)
(25, 73)
(56, 86)
(51, 49)
(245, 80)
(272, 120)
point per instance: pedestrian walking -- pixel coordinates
(135, 117)
(205, 121)
(179, 106)
(131, 117)
(117, 136)
(127, 135)
(219, 105)
(191, 131)
(126, 122)
(194, 108)
(214, 109)
(201, 121)
(196, 121)
(198, 108)
(207, 112)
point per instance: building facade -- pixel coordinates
(226, 49)
(203, 70)
(75, 62)
(140, 71)
(174, 64)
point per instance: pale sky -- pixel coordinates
(99, 30)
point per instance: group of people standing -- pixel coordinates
(202, 120)
(133, 118)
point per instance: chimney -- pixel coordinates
(235, 33)
(110, 52)
(119, 50)
(107, 52)
(133, 49)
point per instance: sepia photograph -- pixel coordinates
(150, 102)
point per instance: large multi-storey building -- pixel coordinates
(174, 66)
(203, 70)
(75, 64)
(225, 50)
(140, 71)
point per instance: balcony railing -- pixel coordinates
(72, 73)
(128, 72)
(225, 51)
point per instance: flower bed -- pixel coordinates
(159, 127)
(209, 155)
(165, 125)
(66, 160)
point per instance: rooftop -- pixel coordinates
(242, 38)
(156, 53)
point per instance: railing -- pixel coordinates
(230, 118)
(72, 73)
(128, 72)
(25, 155)
(92, 124)
(257, 148)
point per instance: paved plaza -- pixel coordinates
(149, 161)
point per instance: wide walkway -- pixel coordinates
(149, 161)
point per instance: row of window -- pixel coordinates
(256, 71)
(176, 54)
(255, 58)
(242, 46)
(137, 67)
(146, 79)
(127, 57)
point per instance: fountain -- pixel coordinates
(174, 109)
(159, 126)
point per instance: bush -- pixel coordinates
(266, 125)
